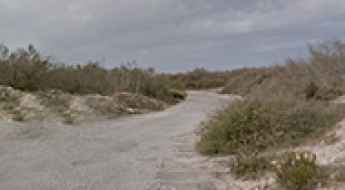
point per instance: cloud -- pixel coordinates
(171, 34)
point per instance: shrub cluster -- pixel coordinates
(258, 125)
(27, 70)
(284, 104)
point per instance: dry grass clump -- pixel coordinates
(298, 171)
(27, 70)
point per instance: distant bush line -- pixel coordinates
(27, 70)
(200, 79)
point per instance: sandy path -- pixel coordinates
(145, 152)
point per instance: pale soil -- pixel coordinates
(152, 151)
(16, 105)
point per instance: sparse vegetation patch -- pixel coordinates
(289, 170)
(250, 166)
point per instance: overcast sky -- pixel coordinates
(172, 35)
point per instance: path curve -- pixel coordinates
(144, 152)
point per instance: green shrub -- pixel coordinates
(257, 125)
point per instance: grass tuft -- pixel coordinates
(298, 171)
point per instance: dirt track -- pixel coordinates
(144, 152)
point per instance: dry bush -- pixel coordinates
(320, 77)
(245, 81)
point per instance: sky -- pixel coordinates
(172, 35)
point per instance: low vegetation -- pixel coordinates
(33, 87)
(291, 170)
(283, 106)
(260, 125)
(27, 70)
(250, 166)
